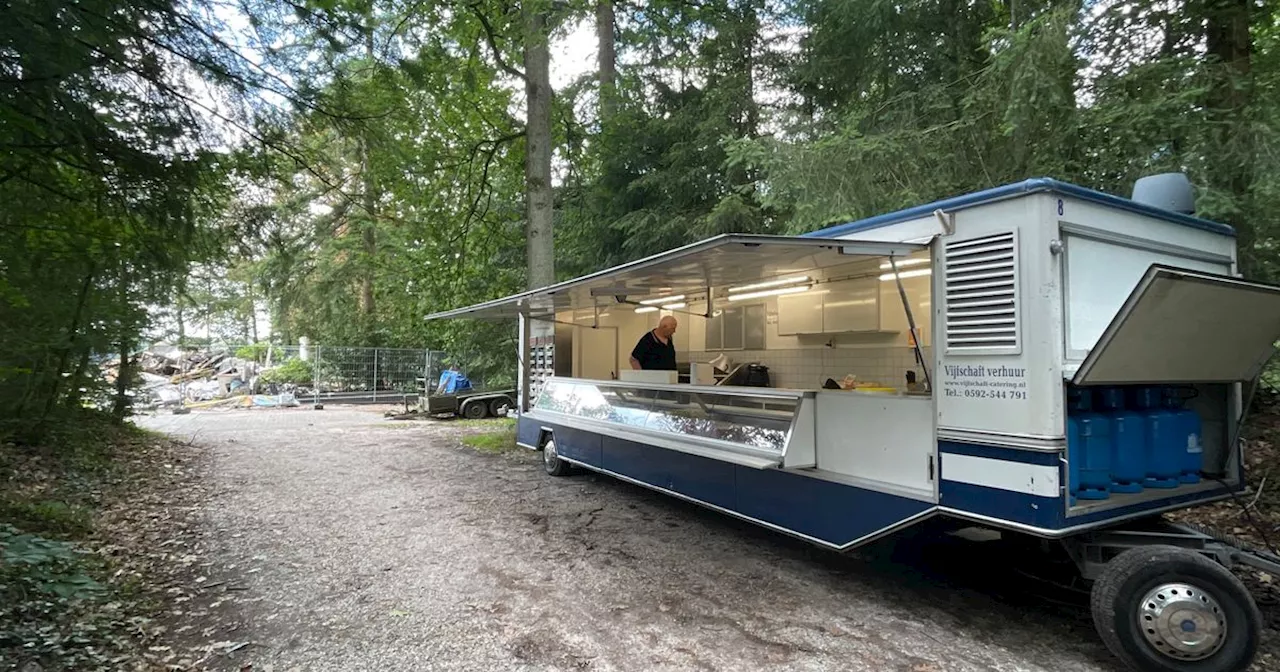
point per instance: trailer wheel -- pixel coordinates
(499, 407)
(1167, 609)
(474, 410)
(551, 461)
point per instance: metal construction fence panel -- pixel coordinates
(354, 374)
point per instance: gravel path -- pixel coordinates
(350, 542)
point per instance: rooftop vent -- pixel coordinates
(1167, 191)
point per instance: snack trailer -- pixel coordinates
(1040, 359)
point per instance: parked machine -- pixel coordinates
(1077, 364)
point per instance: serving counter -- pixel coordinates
(757, 427)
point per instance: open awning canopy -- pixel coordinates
(726, 260)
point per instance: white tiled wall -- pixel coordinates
(808, 368)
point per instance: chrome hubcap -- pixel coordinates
(549, 454)
(1182, 621)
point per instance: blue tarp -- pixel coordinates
(452, 382)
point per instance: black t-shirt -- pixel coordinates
(653, 355)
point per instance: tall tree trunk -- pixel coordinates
(120, 409)
(369, 236)
(1230, 46)
(73, 331)
(82, 370)
(540, 248)
(281, 320)
(607, 60)
(253, 312)
(208, 310)
(750, 39)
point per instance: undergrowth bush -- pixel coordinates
(294, 371)
(32, 566)
(50, 604)
(55, 605)
(48, 515)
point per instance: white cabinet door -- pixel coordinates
(733, 318)
(852, 305)
(753, 329)
(800, 314)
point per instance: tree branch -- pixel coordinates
(386, 47)
(289, 93)
(493, 44)
(233, 123)
(52, 190)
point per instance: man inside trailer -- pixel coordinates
(655, 351)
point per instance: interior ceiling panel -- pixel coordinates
(722, 261)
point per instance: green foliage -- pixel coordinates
(658, 176)
(45, 588)
(254, 353)
(392, 184)
(295, 371)
(109, 193)
(33, 565)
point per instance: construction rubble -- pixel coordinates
(174, 377)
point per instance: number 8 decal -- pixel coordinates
(1059, 207)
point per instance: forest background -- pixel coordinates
(261, 170)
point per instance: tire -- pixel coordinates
(551, 461)
(1145, 588)
(499, 407)
(475, 410)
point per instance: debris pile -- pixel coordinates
(198, 378)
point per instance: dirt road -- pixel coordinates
(337, 540)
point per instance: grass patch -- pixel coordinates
(494, 443)
(48, 516)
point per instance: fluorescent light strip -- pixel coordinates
(888, 277)
(652, 309)
(770, 283)
(886, 266)
(663, 299)
(769, 292)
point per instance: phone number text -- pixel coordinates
(970, 393)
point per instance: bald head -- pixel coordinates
(666, 326)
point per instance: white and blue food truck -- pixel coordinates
(1039, 359)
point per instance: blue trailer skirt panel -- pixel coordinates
(831, 514)
(1010, 484)
(1000, 486)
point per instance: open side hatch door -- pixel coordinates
(1182, 326)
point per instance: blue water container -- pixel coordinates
(1164, 446)
(1088, 447)
(1128, 442)
(1187, 435)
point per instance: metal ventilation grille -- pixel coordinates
(982, 294)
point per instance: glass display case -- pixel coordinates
(763, 422)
